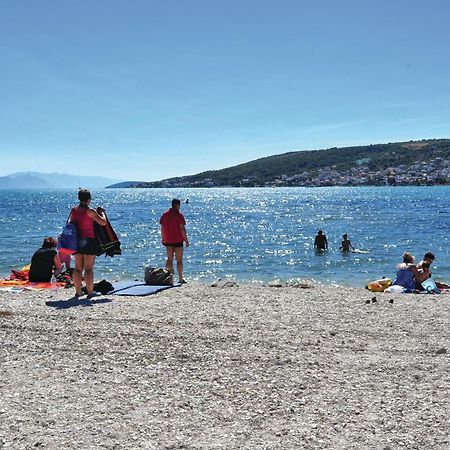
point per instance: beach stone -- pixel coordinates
(224, 283)
(275, 283)
(441, 351)
(230, 283)
(303, 285)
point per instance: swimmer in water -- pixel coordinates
(320, 242)
(346, 244)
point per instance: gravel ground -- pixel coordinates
(226, 367)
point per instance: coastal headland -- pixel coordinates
(225, 367)
(413, 163)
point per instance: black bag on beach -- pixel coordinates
(155, 276)
(104, 287)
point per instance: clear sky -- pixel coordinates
(145, 90)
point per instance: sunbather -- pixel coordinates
(44, 262)
(407, 273)
(428, 259)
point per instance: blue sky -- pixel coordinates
(145, 90)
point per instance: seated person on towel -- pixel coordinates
(407, 273)
(428, 259)
(44, 261)
(423, 273)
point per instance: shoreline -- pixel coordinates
(273, 282)
(282, 186)
(226, 367)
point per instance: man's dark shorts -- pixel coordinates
(178, 244)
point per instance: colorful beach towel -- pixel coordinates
(19, 278)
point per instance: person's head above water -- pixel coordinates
(344, 236)
(84, 196)
(176, 203)
(320, 232)
(49, 242)
(408, 258)
(429, 257)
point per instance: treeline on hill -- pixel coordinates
(375, 157)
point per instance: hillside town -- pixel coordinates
(433, 172)
(436, 171)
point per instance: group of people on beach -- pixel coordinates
(411, 276)
(47, 261)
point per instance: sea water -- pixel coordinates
(247, 234)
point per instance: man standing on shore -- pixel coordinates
(173, 237)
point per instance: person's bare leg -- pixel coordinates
(78, 273)
(89, 261)
(179, 258)
(169, 260)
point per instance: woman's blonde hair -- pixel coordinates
(408, 258)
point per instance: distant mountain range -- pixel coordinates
(38, 180)
(424, 162)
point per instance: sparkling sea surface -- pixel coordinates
(248, 234)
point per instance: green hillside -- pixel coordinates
(420, 162)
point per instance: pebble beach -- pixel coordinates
(225, 367)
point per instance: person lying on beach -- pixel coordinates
(346, 244)
(320, 242)
(45, 261)
(407, 273)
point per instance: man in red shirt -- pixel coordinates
(173, 235)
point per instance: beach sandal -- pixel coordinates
(182, 282)
(94, 294)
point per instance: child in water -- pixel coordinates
(346, 244)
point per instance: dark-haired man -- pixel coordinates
(424, 267)
(173, 237)
(320, 242)
(427, 258)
